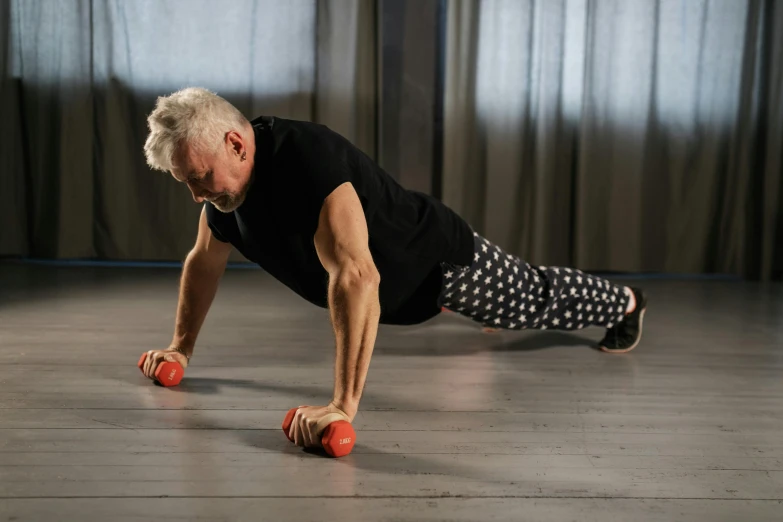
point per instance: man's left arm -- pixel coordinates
(342, 244)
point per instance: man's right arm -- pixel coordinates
(201, 273)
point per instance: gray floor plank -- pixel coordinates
(390, 510)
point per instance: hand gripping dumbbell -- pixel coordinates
(337, 434)
(167, 373)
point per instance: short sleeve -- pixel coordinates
(329, 163)
(214, 219)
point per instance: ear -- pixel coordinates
(234, 143)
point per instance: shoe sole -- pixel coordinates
(638, 338)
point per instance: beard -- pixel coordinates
(228, 202)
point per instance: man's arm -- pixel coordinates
(342, 245)
(201, 273)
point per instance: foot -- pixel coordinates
(625, 335)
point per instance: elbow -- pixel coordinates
(360, 277)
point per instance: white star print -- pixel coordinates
(510, 279)
(500, 284)
(476, 257)
(567, 279)
(555, 321)
(497, 321)
(449, 285)
(579, 279)
(506, 263)
(488, 307)
(479, 272)
(500, 311)
(501, 298)
(579, 306)
(590, 319)
(513, 303)
(554, 306)
(599, 308)
(449, 274)
(516, 270)
(449, 294)
(476, 302)
(589, 307)
(601, 319)
(487, 280)
(512, 325)
(511, 290)
(463, 299)
(489, 264)
(579, 318)
(619, 308)
(495, 254)
(569, 325)
(463, 287)
(475, 277)
(573, 290)
(522, 319)
(489, 293)
(476, 291)
(604, 296)
(568, 314)
(556, 270)
(532, 309)
(484, 248)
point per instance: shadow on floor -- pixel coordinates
(492, 342)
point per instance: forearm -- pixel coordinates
(198, 286)
(355, 311)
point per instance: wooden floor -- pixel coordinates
(455, 424)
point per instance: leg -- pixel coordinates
(502, 291)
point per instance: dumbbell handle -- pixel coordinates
(337, 434)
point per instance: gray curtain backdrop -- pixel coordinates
(629, 135)
(81, 77)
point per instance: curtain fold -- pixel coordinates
(618, 135)
(86, 74)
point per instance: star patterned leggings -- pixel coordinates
(500, 290)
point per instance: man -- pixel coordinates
(325, 220)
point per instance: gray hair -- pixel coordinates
(193, 115)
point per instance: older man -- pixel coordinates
(321, 217)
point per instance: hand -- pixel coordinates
(155, 357)
(310, 422)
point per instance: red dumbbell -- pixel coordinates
(337, 438)
(167, 373)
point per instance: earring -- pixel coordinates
(244, 155)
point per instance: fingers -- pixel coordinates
(151, 363)
(295, 432)
(303, 430)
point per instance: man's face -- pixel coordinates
(220, 177)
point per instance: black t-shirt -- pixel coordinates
(297, 165)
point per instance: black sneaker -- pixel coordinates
(625, 335)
